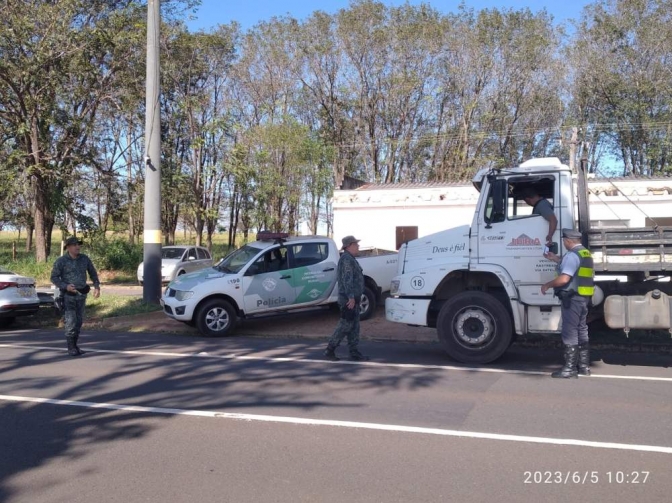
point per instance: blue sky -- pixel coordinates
(250, 12)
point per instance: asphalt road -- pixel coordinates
(147, 417)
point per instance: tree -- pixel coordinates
(623, 80)
(57, 64)
(197, 71)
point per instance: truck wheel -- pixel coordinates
(215, 318)
(367, 305)
(474, 327)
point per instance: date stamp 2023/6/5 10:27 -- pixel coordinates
(586, 477)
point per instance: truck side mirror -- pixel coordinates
(498, 192)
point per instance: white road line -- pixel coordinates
(341, 362)
(343, 424)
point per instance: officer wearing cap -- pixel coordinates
(69, 276)
(575, 286)
(350, 280)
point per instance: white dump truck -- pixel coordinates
(274, 274)
(480, 285)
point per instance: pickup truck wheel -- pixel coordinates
(215, 318)
(474, 327)
(367, 305)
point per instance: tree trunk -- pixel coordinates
(29, 237)
(48, 232)
(233, 218)
(40, 213)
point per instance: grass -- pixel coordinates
(106, 306)
(115, 260)
(109, 306)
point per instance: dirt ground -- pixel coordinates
(320, 323)
(317, 323)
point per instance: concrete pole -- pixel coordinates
(151, 292)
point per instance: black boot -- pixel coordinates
(584, 359)
(79, 351)
(571, 359)
(72, 350)
(356, 356)
(330, 354)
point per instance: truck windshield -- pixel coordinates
(234, 262)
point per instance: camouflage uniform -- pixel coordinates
(350, 286)
(66, 271)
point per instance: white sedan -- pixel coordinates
(178, 260)
(17, 297)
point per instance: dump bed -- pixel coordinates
(645, 250)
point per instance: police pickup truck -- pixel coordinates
(274, 274)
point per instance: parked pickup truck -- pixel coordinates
(272, 275)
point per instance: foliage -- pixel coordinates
(258, 127)
(623, 87)
(115, 255)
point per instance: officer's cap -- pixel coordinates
(348, 240)
(571, 234)
(73, 241)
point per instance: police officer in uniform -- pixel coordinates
(69, 276)
(350, 289)
(575, 286)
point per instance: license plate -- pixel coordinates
(26, 291)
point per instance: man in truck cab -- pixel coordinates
(541, 206)
(350, 279)
(575, 286)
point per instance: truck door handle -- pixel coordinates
(327, 270)
(286, 276)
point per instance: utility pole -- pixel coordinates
(151, 291)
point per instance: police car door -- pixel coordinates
(314, 273)
(268, 283)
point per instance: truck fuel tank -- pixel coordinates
(650, 311)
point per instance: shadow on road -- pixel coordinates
(208, 384)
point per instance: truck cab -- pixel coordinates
(480, 285)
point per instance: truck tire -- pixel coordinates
(474, 327)
(367, 305)
(215, 318)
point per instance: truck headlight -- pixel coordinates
(394, 286)
(183, 295)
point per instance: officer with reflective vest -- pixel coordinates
(574, 286)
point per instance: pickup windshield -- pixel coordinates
(234, 262)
